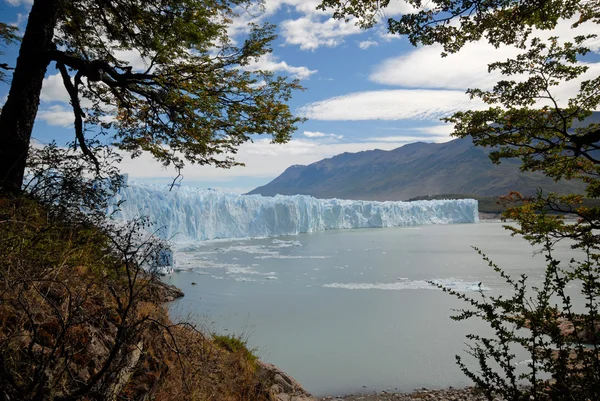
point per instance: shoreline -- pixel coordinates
(447, 394)
(489, 216)
(286, 388)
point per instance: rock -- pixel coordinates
(284, 383)
(163, 292)
(567, 328)
(276, 389)
(280, 384)
(583, 334)
(122, 378)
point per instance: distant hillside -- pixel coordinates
(418, 169)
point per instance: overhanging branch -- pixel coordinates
(97, 70)
(78, 111)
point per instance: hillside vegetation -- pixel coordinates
(81, 320)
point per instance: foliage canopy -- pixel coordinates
(163, 77)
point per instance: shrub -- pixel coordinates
(561, 334)
(235, 344)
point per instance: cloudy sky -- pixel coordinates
(364, 90)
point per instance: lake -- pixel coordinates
(350, 311)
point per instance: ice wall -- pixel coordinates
(189, 214)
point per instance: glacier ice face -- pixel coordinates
(189, 214)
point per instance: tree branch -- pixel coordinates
(78, 111)
(96, 69)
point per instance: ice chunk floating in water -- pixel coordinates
(189, 214)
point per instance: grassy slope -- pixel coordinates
(62, 293)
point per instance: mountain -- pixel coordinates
(418, 169)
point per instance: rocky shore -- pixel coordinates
(449, 394)
(285, 388)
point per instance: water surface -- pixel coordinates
(347, 311)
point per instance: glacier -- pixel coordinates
(187, 214)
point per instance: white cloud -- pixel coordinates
(313, 28)
(397, 7)
(262, 159)
(425, 68)
(57, 115)
(20, 22)
(569, 89)
(422, 104)
(432, 133)
(301, 6)
(441, 130)
(53, 90)
(594, 44)
(366, 44)
(268, 62)
(270, 7)
(317, 134)
(310, 32)
(258, 12)
(15, 3)
(259, 84)
(316, 29)
(390, 105)
(133, 58)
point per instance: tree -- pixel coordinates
(188, 98)
(526, 120)
(542, 134)
(80, 314)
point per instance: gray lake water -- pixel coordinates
(350, 311)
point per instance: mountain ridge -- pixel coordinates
(412, 170)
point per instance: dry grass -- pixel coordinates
(71, 322)
(208, 372)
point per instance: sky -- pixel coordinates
(364, 90)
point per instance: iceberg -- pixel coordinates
(188, 214)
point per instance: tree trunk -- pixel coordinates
(20, 109)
